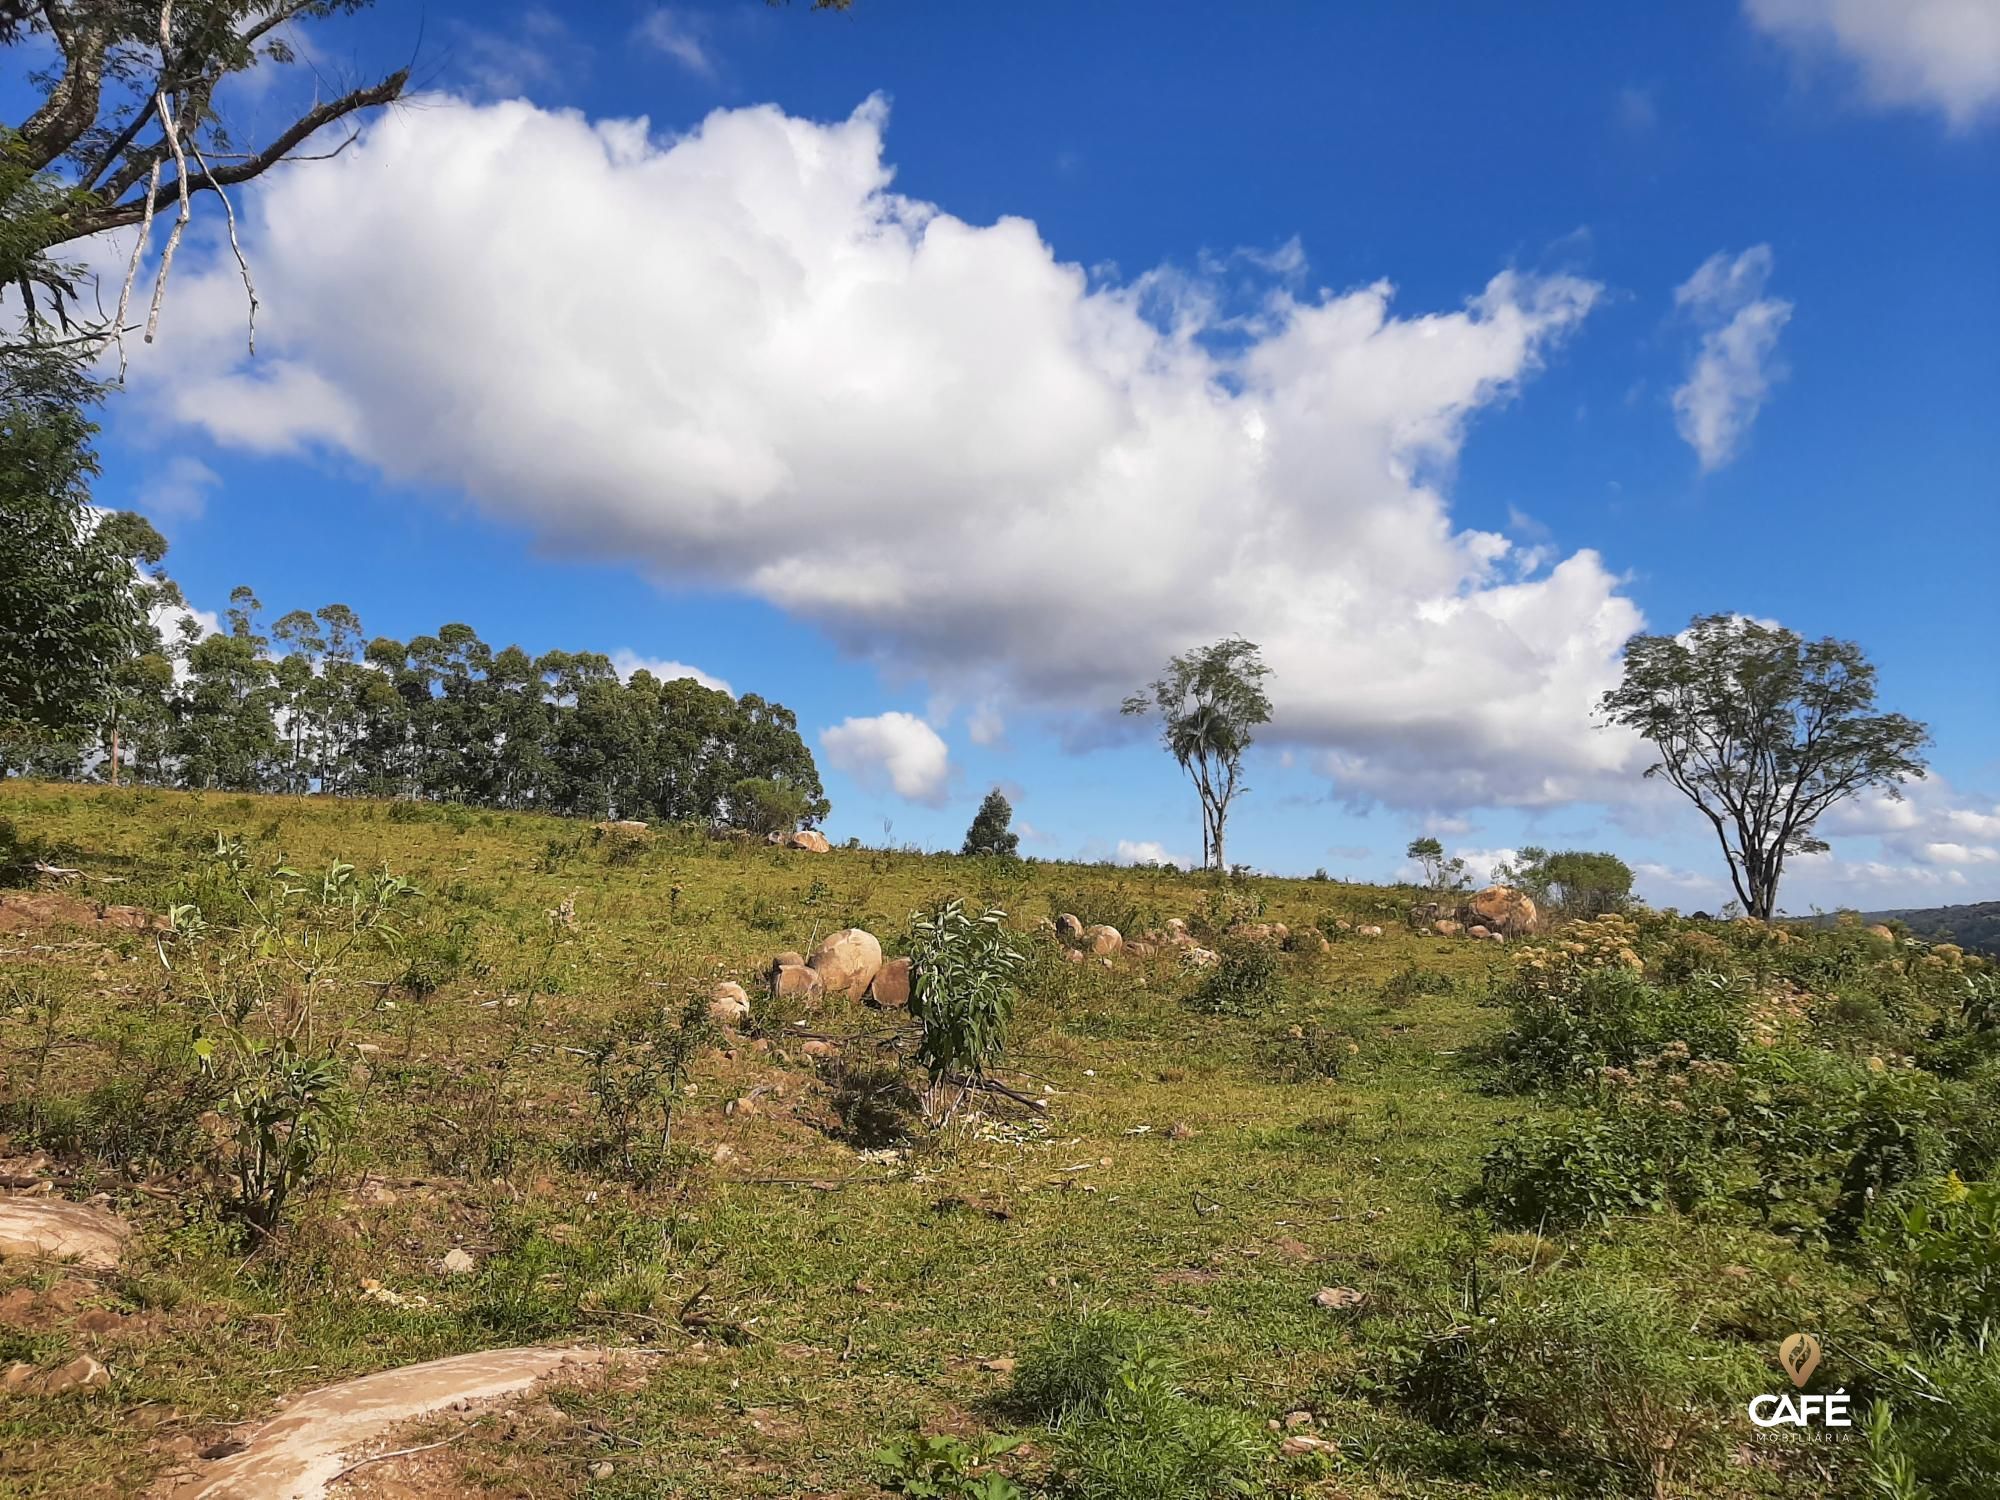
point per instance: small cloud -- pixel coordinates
(984, 725)
(625, 661)
(895, 749)
(1638, 109)
(178, 491)
(1736, 364)
(678, 35)
(1148, 852)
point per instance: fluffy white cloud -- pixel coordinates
(740, 360)
(679, 37)
(1148, 852)
(1736, 363)
(1931, 826)
(177, 489)
(626, 661)
(896, 750)
(1933, 54)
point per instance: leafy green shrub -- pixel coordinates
(1411, 983)
(1570, 1020)
(1610, 1373)
(1317, 1051)
(1598, 1166)
(964, 978)
(1938, 1247)
(288, 1107)
(1934, 1430)
(1248, 981)
(1124, 1429)
(947, 1468)
(637, 1069)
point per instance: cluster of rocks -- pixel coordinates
(809, 839)
(1492, 915)
(847, 964)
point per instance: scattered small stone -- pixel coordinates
(459, 1262)
(1297, 1419)
(603, 1469)
(1182, 1131)
(1004, 1365)
(81, 1374)
(1299, 1444)
(723, 1154)
(1341, 1298)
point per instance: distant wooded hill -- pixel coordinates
(1974, 926)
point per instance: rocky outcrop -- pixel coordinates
(300, 1452)
(1502, 909)
(847, 962)
(795, 982)
(42, 1228)
(1069, 929)
(1104, 941)
(728, 1005)
(809, 839)
(891, 988)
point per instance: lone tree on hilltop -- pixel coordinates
(1440, 874)
(1209, 702)
(989, 833)
(1763, 731)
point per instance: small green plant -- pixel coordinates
(948, 1468)
(287, 1107)
(1124, 1428)
(1249, 981)
(1611, 1373)
(637, 1070)
(964, 978)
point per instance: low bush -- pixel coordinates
(1937, 1246)
(1248, 981)
(1124, 1429)
(1934, 1428)
(1611, 1374)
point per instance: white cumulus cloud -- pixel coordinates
(1148, 852)
(1931, 54)
(626, 661)
(896, 749)
(1736, 363)
(740, 360)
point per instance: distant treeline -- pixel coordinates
(444, 717)
(1974, 926)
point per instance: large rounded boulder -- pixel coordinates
(847, 962)
(1501, 908)
(1104, 940)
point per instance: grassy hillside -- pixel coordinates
(1124, 1273)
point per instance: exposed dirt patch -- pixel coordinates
(23, 912)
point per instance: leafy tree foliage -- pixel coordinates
(125, 127)
(1574, 882)
(1440, 874)
(1210, 701)
(306, 707)
(1763, 731)
(989, 833)
(73, 603)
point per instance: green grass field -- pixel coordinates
(818, 1288)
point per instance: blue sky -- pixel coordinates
(1358, 330)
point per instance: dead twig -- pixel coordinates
(376, 1458)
